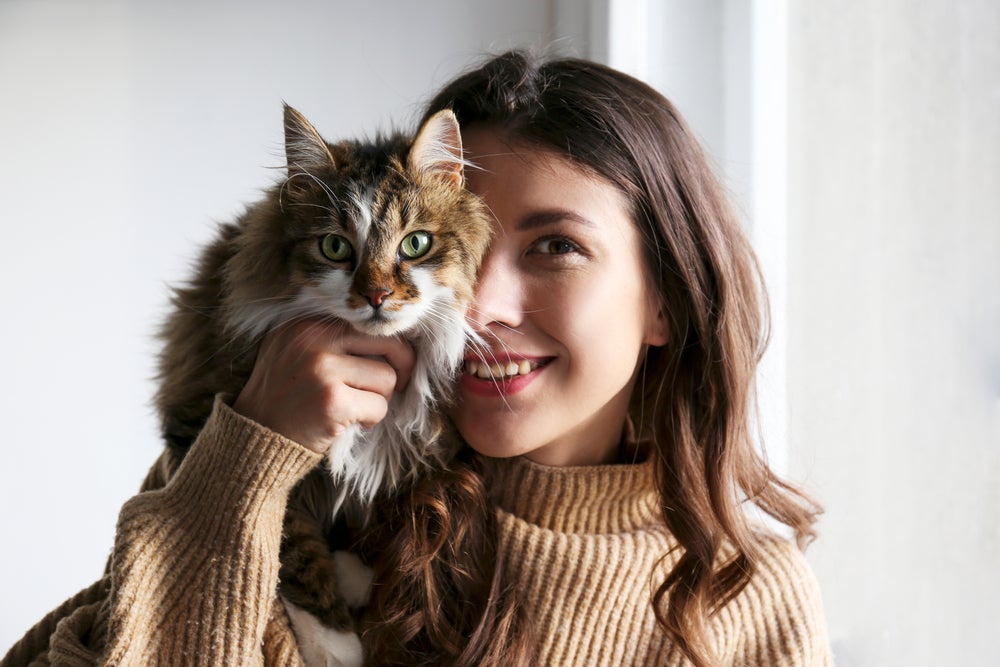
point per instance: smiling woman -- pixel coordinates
(593, 509)
(565, 289)
(611, 409)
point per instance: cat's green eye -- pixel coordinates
(336, 248)
(415, 245)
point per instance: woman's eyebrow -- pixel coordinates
(551, 217)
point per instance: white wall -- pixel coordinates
(126, 130)
(894, 313)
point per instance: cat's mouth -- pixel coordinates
(379, 327)
(380, 323)
(499, 370)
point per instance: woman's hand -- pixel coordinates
(313, 380)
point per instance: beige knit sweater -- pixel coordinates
(584, 546)
(195, 565)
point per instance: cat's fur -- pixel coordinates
(268, 268)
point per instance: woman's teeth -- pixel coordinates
(499, 370)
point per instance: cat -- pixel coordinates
(381, 235)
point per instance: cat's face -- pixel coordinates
(379, 235)
(386, 256)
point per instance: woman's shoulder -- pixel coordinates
(781, 607)
(781, 556)
(781, 576)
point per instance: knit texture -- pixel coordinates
(586, 547)
(194, 571)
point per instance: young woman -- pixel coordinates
(598, 515)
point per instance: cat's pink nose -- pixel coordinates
(376, 295)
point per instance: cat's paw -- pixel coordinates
(321, 646)
(354, 578)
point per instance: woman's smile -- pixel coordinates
(501, 374)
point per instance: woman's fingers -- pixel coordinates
(340, 338)
(392, 351)
(312, 380)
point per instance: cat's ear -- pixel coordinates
(438, 148)
(305, 150)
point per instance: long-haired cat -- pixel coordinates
(381, 235)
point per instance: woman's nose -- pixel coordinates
(498, 295)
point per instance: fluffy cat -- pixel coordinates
(381, 235)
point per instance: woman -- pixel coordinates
(596, 516)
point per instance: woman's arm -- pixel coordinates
(194, 571)
(193, 574)
(195, 566)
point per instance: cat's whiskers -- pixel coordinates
(274, 312)
(484, 324)
(481, 349)
(487, 331)
(440, 313)
(334, 199)
(325, 209)
(443, 314)
(493, 216)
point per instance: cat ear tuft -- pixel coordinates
(438, 148)
(305, 150)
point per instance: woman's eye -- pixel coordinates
(554, 247)
(415, 245)
(336, 248)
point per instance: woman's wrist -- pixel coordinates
(238, 464)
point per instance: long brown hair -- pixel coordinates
(695, 396)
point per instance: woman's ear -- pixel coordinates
(656, 326)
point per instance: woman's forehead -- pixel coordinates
(495, 153)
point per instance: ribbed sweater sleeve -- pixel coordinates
(194, 569)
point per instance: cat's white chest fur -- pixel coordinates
(321, 646)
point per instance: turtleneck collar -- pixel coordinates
(586, 499)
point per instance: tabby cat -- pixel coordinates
(381, 235)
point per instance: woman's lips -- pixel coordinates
(501, 377)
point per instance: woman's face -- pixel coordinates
(564, 304)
